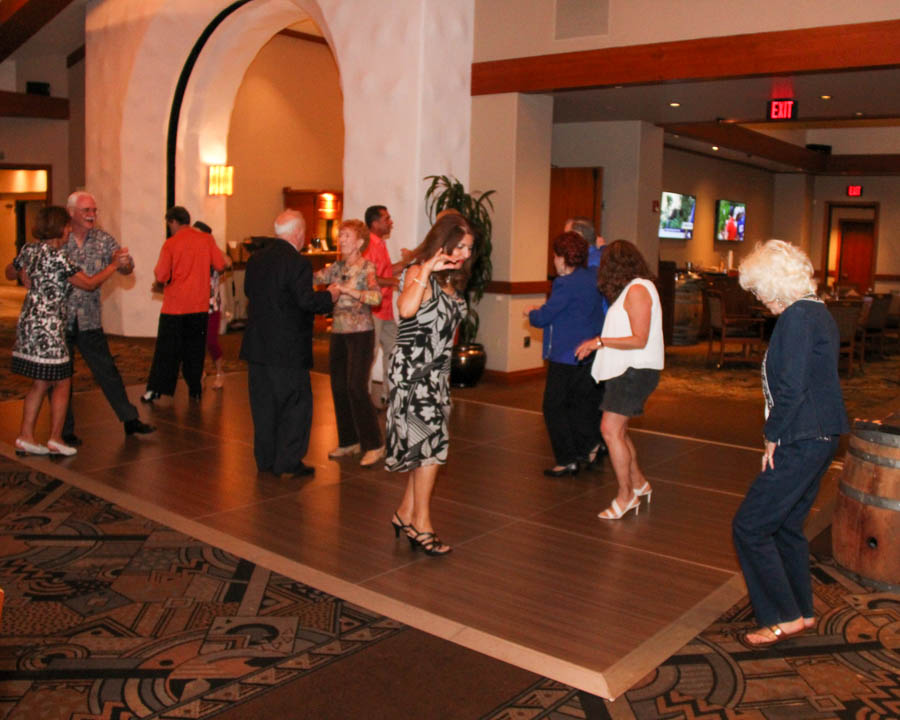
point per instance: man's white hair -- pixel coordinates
(287, 228)
(76, 196)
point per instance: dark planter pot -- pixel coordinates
(467, 365)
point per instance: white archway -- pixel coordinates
(405, 68)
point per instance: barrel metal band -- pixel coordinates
(874, 459)
(867, 499)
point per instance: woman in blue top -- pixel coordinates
(805, 417)
(574, 311)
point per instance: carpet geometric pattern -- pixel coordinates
(110, 615)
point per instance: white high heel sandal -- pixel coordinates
(644, 491)
(614, 512)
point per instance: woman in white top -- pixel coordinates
(630, 355)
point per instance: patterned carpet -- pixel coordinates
(111, 616)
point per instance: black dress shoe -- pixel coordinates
(73, 440)
(149, 396)
(300, 471)
(570, 469)
(138, 426)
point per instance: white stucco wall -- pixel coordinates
(404, 68)
(633, 22)
(286, 130)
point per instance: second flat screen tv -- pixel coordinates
(730, 219)
(676, 216)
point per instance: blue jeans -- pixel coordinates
(768, 531)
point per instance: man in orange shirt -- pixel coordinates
(183, 270)
(379, 222)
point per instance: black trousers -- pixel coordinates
(281, 404)
(95, 350)
(349, 365)
(571, 411)
(180, 344)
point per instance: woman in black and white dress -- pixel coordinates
(431, 306)
(40, 351)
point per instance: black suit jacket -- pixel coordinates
(282, 302)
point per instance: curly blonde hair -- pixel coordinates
(777, 272)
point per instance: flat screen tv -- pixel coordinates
(676, 216)
(730, 218)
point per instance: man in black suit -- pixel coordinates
(278, 347)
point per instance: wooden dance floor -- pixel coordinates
(535, 578)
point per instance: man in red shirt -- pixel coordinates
(379, 222)
(183, 270)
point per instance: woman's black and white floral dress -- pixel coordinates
(419, 407)
(40, 351)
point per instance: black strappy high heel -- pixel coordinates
(428, 542)
(399, 526)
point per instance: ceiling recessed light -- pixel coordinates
(674, 104)
(825, 97)
(715, 147)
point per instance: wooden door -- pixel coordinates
(574, 192)
(856, 258)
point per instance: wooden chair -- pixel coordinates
(846, 314)
(892, 325)
(872, 322)
(731, 328)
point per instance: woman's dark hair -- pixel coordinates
(202, 227)
(572, 248)
(446, 233)
(621, 263)
(51, 222)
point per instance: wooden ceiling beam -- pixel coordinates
(820, 49)
(738, 138)
(33, 106)
(20, 19)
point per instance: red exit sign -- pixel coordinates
(781, 109)
(854, 191)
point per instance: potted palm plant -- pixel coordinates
(444, 192)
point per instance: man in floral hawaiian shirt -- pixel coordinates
(91, 249)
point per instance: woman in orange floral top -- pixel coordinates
(353, 345)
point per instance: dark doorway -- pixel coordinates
(574, 192)
(856, 254)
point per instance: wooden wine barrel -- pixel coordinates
(865, 531)
(688, 312)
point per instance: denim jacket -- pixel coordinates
(801, 373)
(574, 312)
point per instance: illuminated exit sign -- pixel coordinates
(854, 191)
(781, 109)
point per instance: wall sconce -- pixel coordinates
(328, 206)
(221, 179)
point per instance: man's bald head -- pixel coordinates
(291, 226)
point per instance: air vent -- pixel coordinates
(581, 18)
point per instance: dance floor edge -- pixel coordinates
(457, 598)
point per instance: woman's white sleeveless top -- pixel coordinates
(610, 362)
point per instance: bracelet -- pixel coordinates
(416, 280)
(599, 342)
